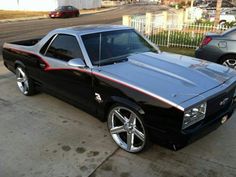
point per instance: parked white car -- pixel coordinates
(227, 15)
(231, 11)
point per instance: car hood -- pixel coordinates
(53, 12)
(173, 77)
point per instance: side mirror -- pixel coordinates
(78, 62)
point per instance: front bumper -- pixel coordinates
(178, 140)
(54, 15)
(188, 136)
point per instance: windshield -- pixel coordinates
(60, 8)
(114, 46)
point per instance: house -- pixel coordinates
(47, 5)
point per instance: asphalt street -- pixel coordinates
(14, 31)
(42, 136)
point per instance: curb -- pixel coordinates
(23, 19)
(104, 10)
(45, 16)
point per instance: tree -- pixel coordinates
(218, 11)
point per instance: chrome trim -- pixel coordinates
(49, 44)
(84, 52)
(131, 125)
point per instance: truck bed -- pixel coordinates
(11, 50)
(29, 42)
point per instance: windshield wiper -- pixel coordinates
(113, 60)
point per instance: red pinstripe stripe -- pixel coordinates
(48, 68)
(30, 53)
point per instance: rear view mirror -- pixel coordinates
(78, 62)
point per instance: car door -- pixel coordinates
(71, 83)
(70, 11)
(75, 11)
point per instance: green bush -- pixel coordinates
(177, 38)
(229, 24)
(203, 22)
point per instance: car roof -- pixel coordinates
(230, 30)
(89, 29)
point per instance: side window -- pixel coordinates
(233, 12)
(64, 47)
(45, 46)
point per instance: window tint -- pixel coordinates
(115, 46)
(60, 8)
(91, 43)
(233, 12)
(69, 8)
(64, 47)
(44, 48)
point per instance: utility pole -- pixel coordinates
(192, 3)
(218, 11)
(165, 2)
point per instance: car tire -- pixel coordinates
(229, 61)
(24, 82)
(127, 128)
(222, 22)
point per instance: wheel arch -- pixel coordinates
(220, 60)
(124, 101)
(222, 21)
(19, 63)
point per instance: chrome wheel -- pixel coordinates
(231, 63)
(22, 80)
(126, 129)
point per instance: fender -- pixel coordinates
(129, 103)
(103, 111)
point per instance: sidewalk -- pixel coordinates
(82, 12)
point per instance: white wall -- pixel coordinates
(81, 4)
(46, 5)
(34, 5)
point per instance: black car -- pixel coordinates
(122, 78)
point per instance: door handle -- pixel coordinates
(42, 65)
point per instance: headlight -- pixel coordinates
(234, 93)
(234, 96)
(194, 115)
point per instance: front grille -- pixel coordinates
(215, 106)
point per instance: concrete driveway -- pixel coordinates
(42, 136)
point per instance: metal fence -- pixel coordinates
(174, 35)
